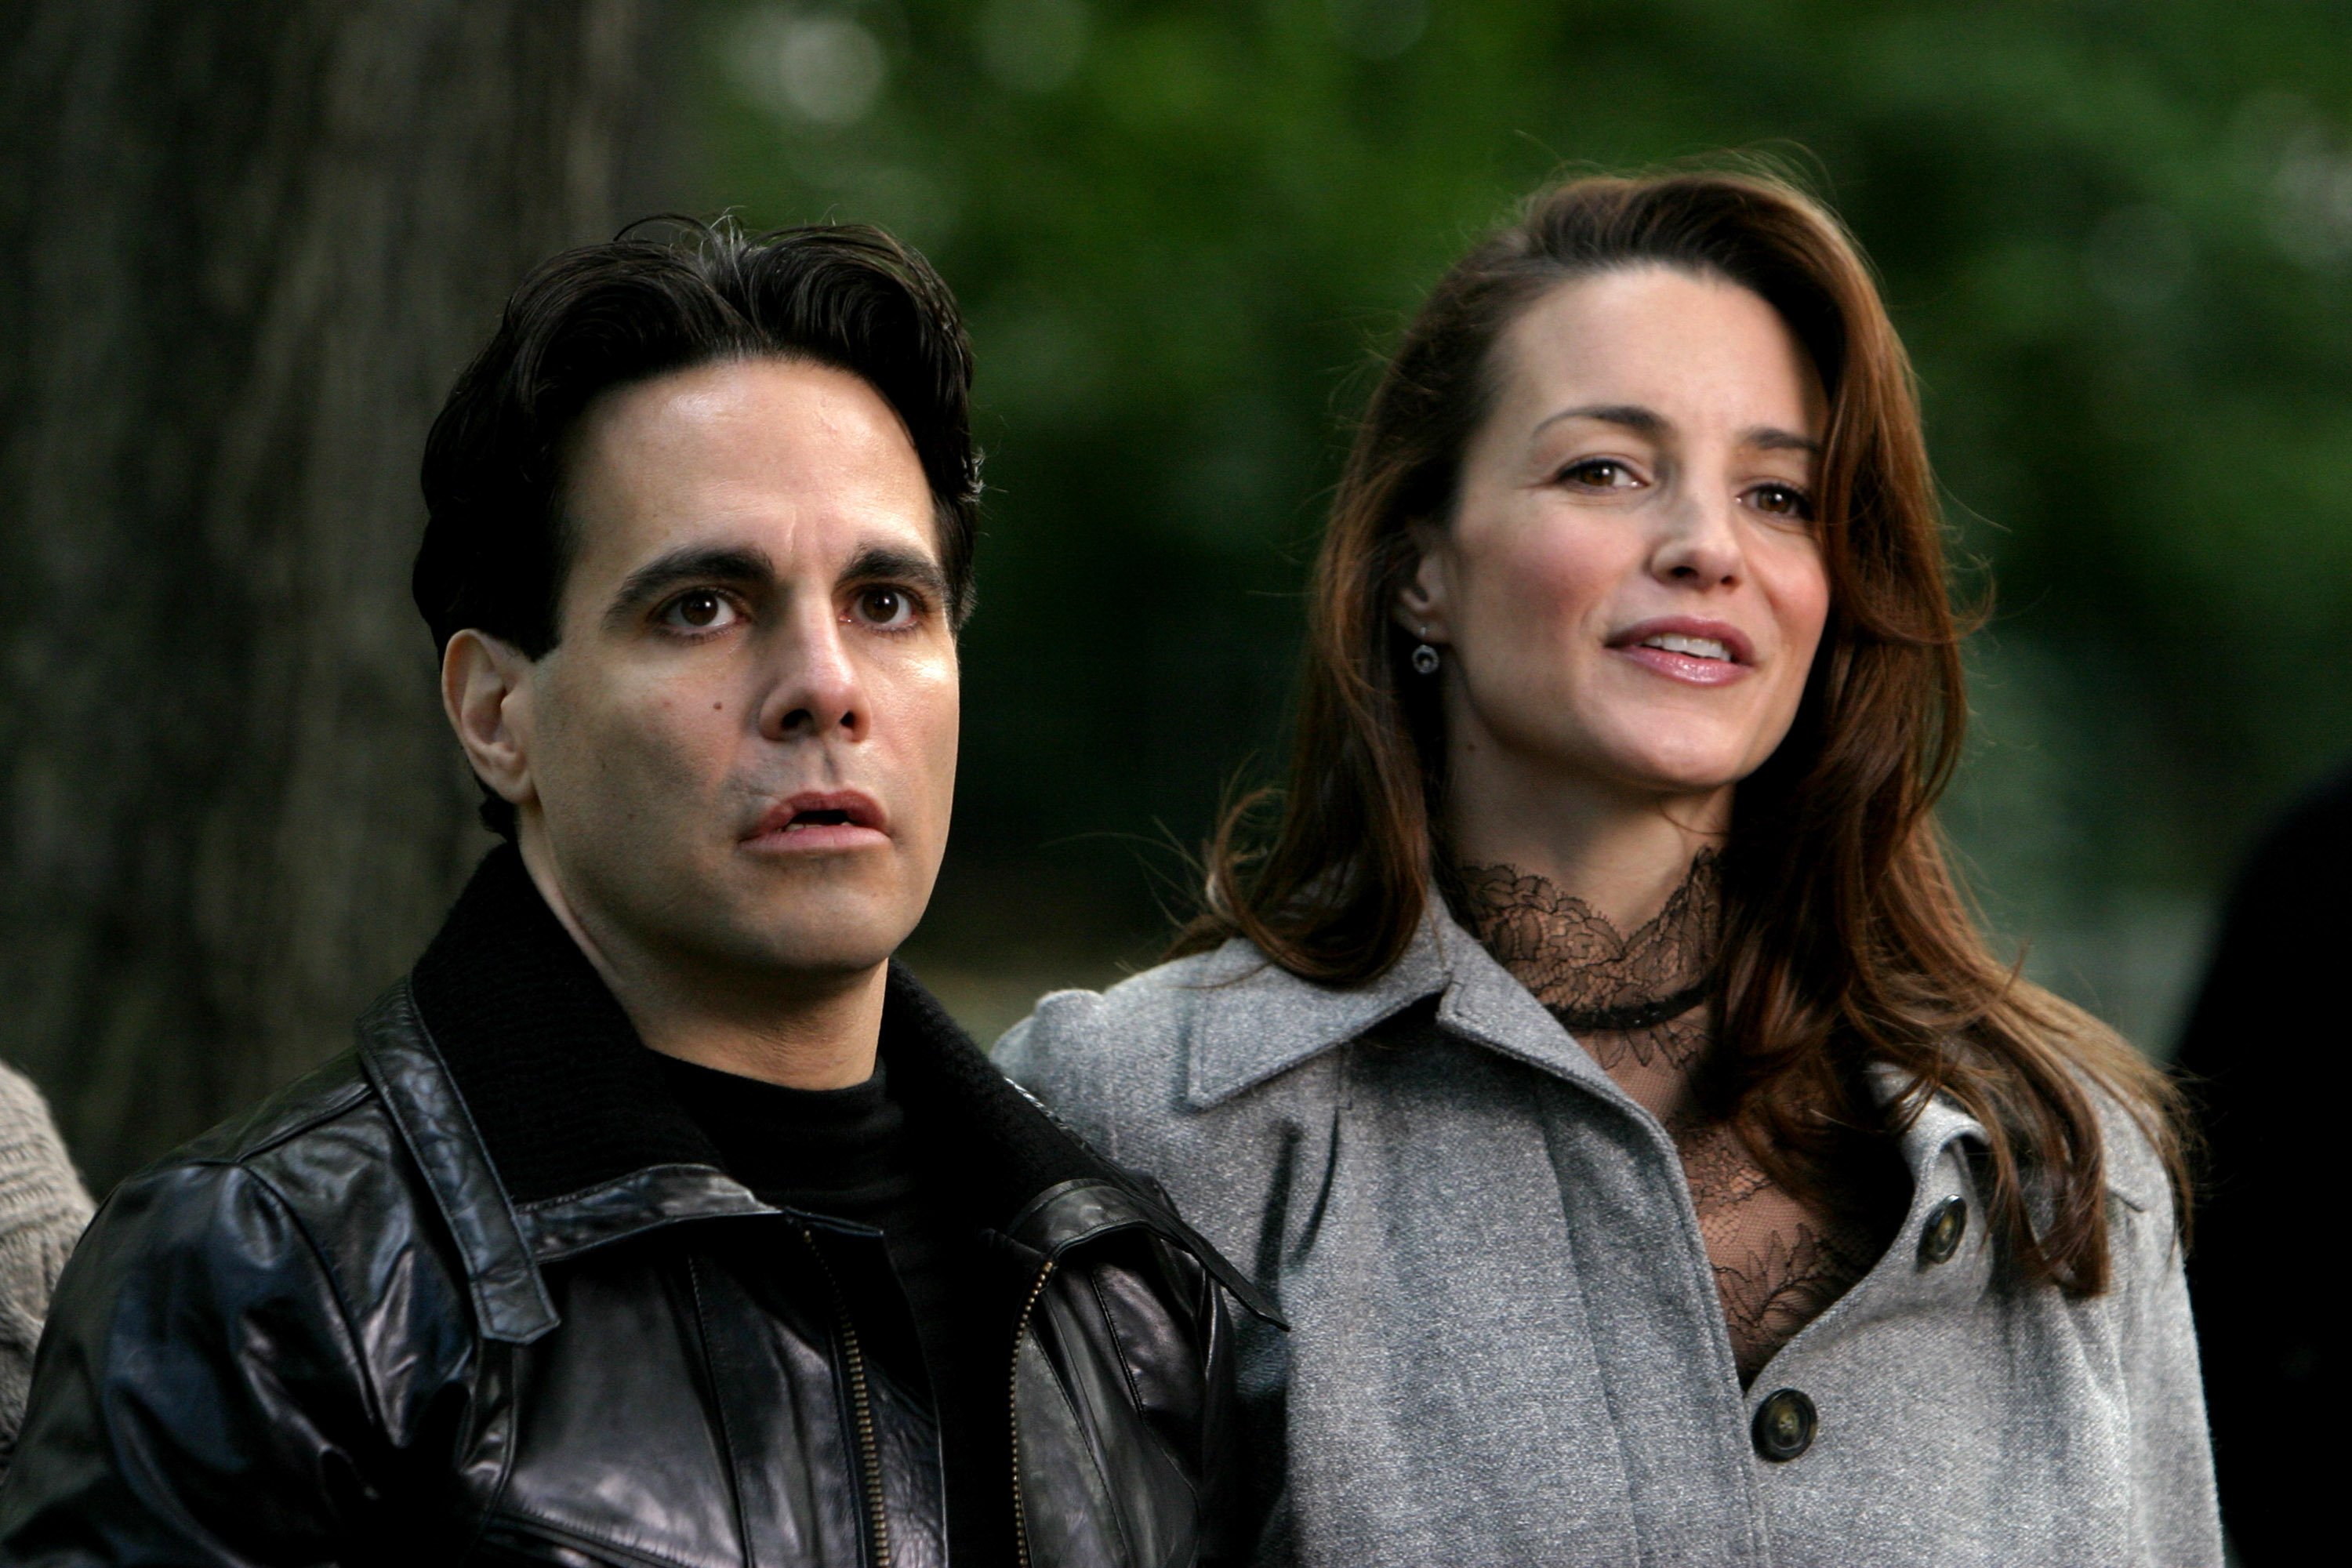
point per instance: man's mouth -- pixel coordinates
(839, 818)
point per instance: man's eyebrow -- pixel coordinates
(1647, 422)
(889, 561)
(692, 563)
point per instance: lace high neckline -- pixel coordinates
(1580, 966)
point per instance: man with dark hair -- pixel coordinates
(657, 1218)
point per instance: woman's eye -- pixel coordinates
(1598, 474)
(1781, 500)
(699, 610)
(887, 607)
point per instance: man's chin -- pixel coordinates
(760, 929)
(822, 936)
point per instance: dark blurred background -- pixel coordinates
(245, 246)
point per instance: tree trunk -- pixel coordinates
(245, 246)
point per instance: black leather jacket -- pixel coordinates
(343, 1331)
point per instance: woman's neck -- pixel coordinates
(1620, 852)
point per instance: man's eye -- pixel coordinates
(1781, 501)
(699, 610)
(887, 607)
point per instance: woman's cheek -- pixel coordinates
(1796, 586)
(1552, 577)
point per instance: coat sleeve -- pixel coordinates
(43, 1209)
(2174, 1500)
(199, 1397)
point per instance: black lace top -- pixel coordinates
(1638, 1002)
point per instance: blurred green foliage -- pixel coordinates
(2116, 234)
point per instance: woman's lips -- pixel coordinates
(1684, 648)
(1693, 670)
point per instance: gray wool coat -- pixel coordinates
(1506, 1345)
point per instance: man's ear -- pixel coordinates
(485, 691)
(1424, 603)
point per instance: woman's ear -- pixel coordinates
(486, 692)
(1424, 602)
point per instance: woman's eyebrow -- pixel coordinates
(1647, 422)
(1771, 439)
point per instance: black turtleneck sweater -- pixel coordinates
(848, 1154)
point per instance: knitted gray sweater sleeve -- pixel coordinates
(42, 1212)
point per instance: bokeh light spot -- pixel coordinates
(819, 67)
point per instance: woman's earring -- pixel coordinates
(1424, 660)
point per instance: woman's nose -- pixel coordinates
(1700, 545)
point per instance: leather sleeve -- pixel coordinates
(199, 1397)
(1227, 1530)
(1230, 1504)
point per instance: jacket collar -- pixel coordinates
(544, 1127)
(564, 1097)
(1257, 1020)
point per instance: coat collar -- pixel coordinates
(1938, 1122)
(563, 1095)
(1257, 1020)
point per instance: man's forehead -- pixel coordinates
(804, 463)
(786, 546)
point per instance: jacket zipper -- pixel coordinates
(1020, 1327)
(861, 1407)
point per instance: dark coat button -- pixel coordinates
(1784, 1425)
(1940, 1237)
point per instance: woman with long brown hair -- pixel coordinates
(1593, 1050)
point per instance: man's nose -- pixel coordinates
(816, 688)
(1700, 545)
